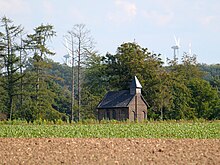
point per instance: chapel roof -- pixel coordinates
(116, 99)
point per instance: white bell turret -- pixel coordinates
(135, 87)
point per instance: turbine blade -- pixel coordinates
(178, 42)
(190, 48)
(67, 48)
(175, 39)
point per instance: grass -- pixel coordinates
(195, 130)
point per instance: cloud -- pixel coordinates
(128, 7)
(125, 11)
(75, 14)
(48, 7)
(208, 14)
(159, 18)
(211, 21)
(207, 20)
(13, 6)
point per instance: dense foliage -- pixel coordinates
(33, 87)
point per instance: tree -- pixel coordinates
(94, 86)
(163, 94)
(3, 97)
(95, 77)
(2, 90)
(37, 42)
(188, 96)
(133, 60)
(82, 44)
(60, 84)
(22, 62)
(215, 82)
(41, 98)
(129, 61)
(187, 69)
(9, 47)
(205, 99)
(69, 39)
(180, 99)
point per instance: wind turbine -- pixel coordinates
(67, 56)
(71, 54)
(176, 47)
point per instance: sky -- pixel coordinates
(150, 23)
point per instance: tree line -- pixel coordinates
(33, 87)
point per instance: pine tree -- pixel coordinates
(9, 49)
(40, 97)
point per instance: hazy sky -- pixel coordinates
(151, 23)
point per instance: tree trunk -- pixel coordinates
(161, 113)
(9, 71)
(10, 107)
(79, 87)
(21, 82)
(72, 96)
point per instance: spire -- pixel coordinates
(135, 86)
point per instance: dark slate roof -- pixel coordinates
(116, 99)
(135, 83)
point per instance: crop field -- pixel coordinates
(195, 130)
(110, 143)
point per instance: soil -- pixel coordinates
(108, 151)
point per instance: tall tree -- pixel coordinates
(69, 39)
(22, 61)
(182, 75)
(9, 48)
(126, 63)
(133, 60)
(82, 44)
(41, 98)
(37, 42)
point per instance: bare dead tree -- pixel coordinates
(82, 43)
(70, 51)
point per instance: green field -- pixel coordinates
(198, 130)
